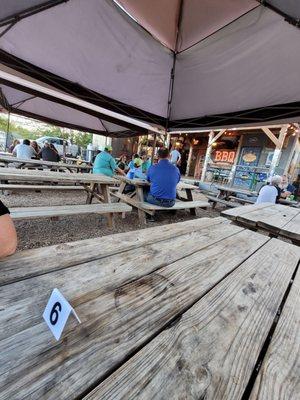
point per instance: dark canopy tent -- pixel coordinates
(179, 64)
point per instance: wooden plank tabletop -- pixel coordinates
(14, 174)
(28, 263)
(275, 218)
(176, 311)
(142, 182)
(211, 351)
(230, 189)
(279, 376)
(10, 159)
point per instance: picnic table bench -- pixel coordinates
(181, 311)
(227, 194)
(276, 219)
(34, 163)
(147, 208)
(226, 191)
(90, 182)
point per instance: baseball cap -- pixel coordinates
(108, 148)
(138, 162)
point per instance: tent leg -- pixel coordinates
(7, 132)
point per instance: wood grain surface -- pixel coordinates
(46, 211)
(123, 301)
(211, 351)
(30, 263)
(279, 376)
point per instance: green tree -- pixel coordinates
(81, 139)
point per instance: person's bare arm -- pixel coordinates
(8, 236)
(120, 171)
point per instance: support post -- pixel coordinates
(292, 151)
(153, 148)
(277, 152)
(189, 160)
(233, 168)
(293, 163)
(207, 155)
(168, 141)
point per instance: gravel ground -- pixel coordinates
(44, 232)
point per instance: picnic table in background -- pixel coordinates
(228, 196)
(226, 191)
(147, 208)
(91, 183)
(181, 311)
(33, 163)
(276, 219)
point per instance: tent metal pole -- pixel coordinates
(7, 131)
(172, 77)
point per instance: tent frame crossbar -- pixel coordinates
(288, 18)
(14, 18)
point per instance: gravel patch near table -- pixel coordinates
(45, 232)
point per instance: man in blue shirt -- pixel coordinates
(163, 178)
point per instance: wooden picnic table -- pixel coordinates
(181, 311)
(226, 191)
(34, 163)
(276, 219)
(90, 182)
(146, 208)
(95, 185)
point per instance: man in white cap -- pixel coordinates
(270, 193)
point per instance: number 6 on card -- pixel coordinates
(57, 312)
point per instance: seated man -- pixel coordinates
(163, 178)
(48, 153)
(24, 150)
(146, 162)
(270, 193)
(8, 236)
(105, 164)
(287, 189)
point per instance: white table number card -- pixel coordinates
(57, 312)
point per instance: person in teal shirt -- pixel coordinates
(105, 164)
(146, 162)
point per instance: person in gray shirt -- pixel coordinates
(24, 150)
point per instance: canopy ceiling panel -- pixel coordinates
(248, 64)
(22, 103)
(97, 45)
(177, 63)
(289, 7)
(13, 7)
(200, 18)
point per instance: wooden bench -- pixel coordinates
(39, 187)
(151, 208)
(242, 201)
(58, 211)
(216, 200)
